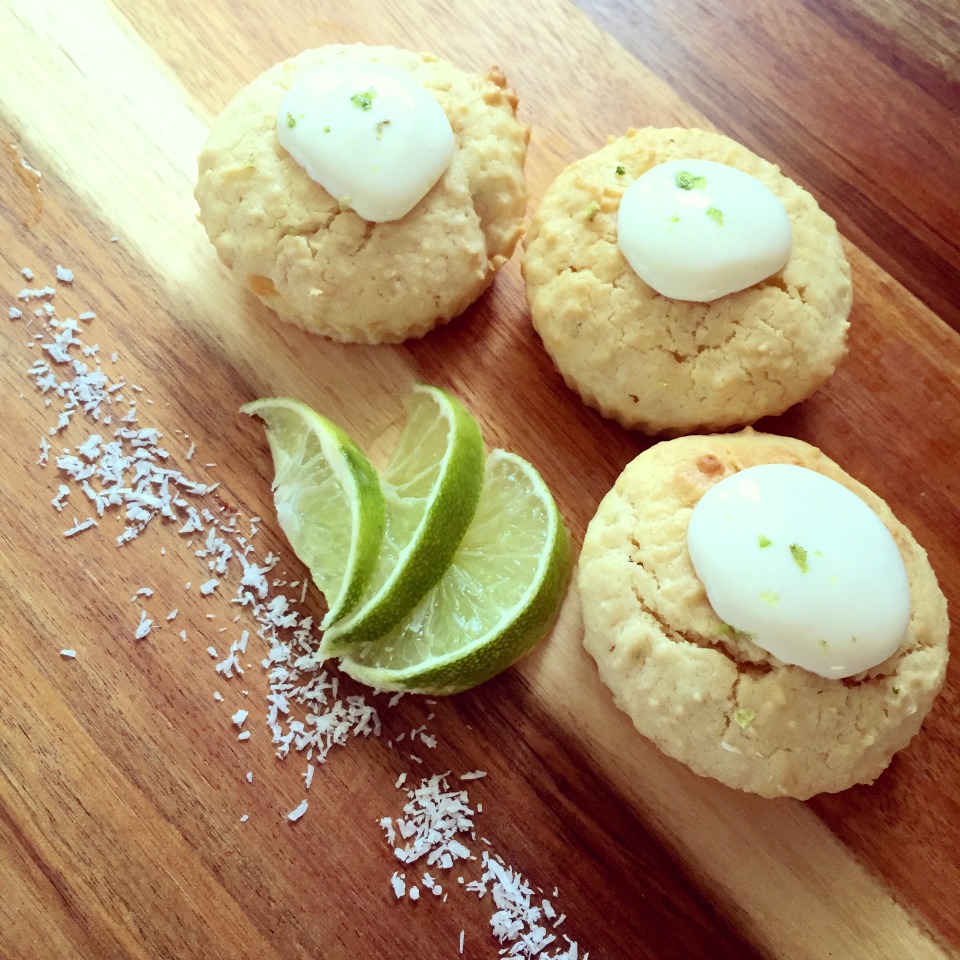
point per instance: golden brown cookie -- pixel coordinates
(708, 695)
(670, 366)
(327, 269)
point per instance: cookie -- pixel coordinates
(712, 697)
(667, 366)
(319, 264)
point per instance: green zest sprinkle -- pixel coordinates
(799, 557)
(291, 120)
(715, 215)
(380, 125)
(687, 181)
(674, 219)
(592, 209)
(764, 541)
(364, 100)
(770, 596)
(743, 718)
(823, 643)
(896, 691)
(621, 170)
(326, 129)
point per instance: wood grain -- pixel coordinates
(122, 782)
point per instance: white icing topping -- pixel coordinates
(803, 565)
(698, 230)
(369, 134)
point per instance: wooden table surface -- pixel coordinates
(123, 784)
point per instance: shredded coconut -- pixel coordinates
(298, 811)
(143, 627)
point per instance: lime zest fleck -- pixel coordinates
(326, 128)
(689, 181)
(364, 99)
(292, 120)
(591, 210)
(621, 170)
(674, 219)
(823, 644)
(770, 596)
(799, 557)
(380, 125)
(896, 691)
(764, 542)
(743, 717)
(716, 215)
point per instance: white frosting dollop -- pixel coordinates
(698, 230)
(369, 134)
(804, 566)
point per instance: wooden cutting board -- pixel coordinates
(122, 780)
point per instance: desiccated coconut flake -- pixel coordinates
(433, 817)
(399, 887)
(68, 654)
(244, 736)
(62, 493)
(80, 526)
(63, 274)
(143, 627)
(517, 919)
(473, 775)
(239, 717)
(207, 588)
(298, 811)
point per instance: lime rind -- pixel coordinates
(407, 659)
(328, 500)
(442, 496)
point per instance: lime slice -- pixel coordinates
(328, 499)
(431, 487)
(498, 598)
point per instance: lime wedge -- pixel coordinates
(328, 500)
(498, 598)
(431, 487)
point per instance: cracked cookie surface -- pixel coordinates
(706, 694)
(669, 366)
(334, 273)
